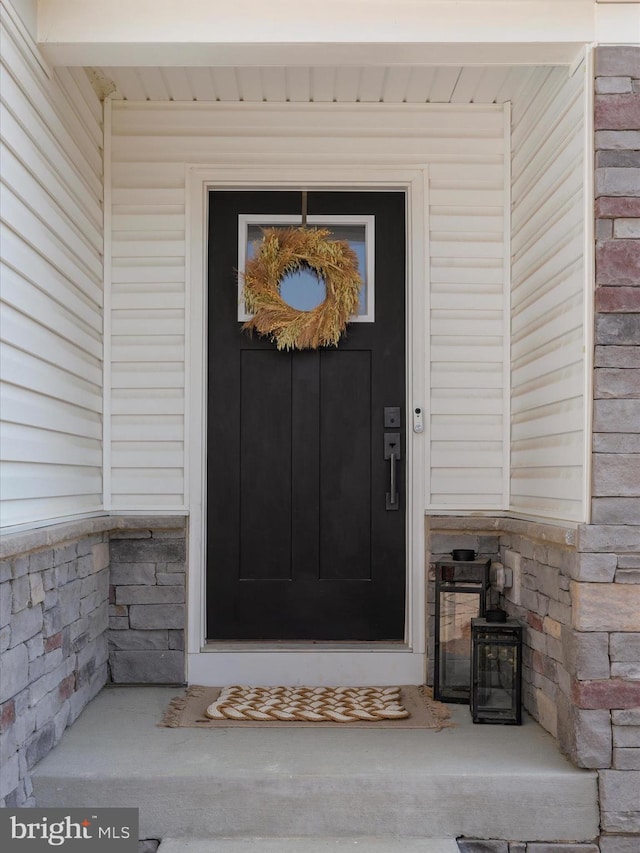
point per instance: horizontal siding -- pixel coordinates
(50, 380)
(468, 326)
(51, 323)
(147, 331)
(464, 147)
(27, 407)
(29, 481)
(547, 347)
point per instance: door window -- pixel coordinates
(303, 290)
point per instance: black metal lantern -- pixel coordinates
(496, 671)
(461, 590)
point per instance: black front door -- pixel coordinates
(303, 542)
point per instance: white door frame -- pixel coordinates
(299, 663)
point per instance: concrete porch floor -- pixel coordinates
(477, 781)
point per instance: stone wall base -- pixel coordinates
(59, 643)
(53, 651)
(606, 844)
(470, 845)
(573, 590)
(147, 603)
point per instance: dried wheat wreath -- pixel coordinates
(283, 251)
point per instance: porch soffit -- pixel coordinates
(414, 84)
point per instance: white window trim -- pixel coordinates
(246, 219)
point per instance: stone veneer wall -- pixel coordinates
(607, 601)
(495, 846)
(579, 628)
(53, 652)
(147, 604)
(55, 586)
(542, 558)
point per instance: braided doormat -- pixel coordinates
(387, 707)
(308, 704)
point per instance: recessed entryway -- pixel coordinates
(373, 635)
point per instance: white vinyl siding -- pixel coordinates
(468, 328)
(548, 275)
(51, 253)
(464, 148)
(148, 341)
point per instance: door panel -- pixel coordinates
(265, 470)
(300, 545)
(345, 464)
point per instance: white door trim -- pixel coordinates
(288, 663)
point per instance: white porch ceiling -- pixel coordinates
(345, 84)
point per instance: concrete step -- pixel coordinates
(308, 845)
(474, 781)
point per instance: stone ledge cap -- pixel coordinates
(50, 536)
(562, 533)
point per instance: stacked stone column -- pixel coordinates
(147, 602)
(53, 646)
(82, 603)
(606, 589)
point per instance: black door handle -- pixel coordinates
(392, 453)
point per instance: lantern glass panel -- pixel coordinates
(461, 588)
(456, 612)
(496, 674)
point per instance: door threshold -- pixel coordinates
(305, 646)
(220, 664)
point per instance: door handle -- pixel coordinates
(392, 453)
(392, 496)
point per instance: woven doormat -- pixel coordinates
(308, 704)
(383, 707)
